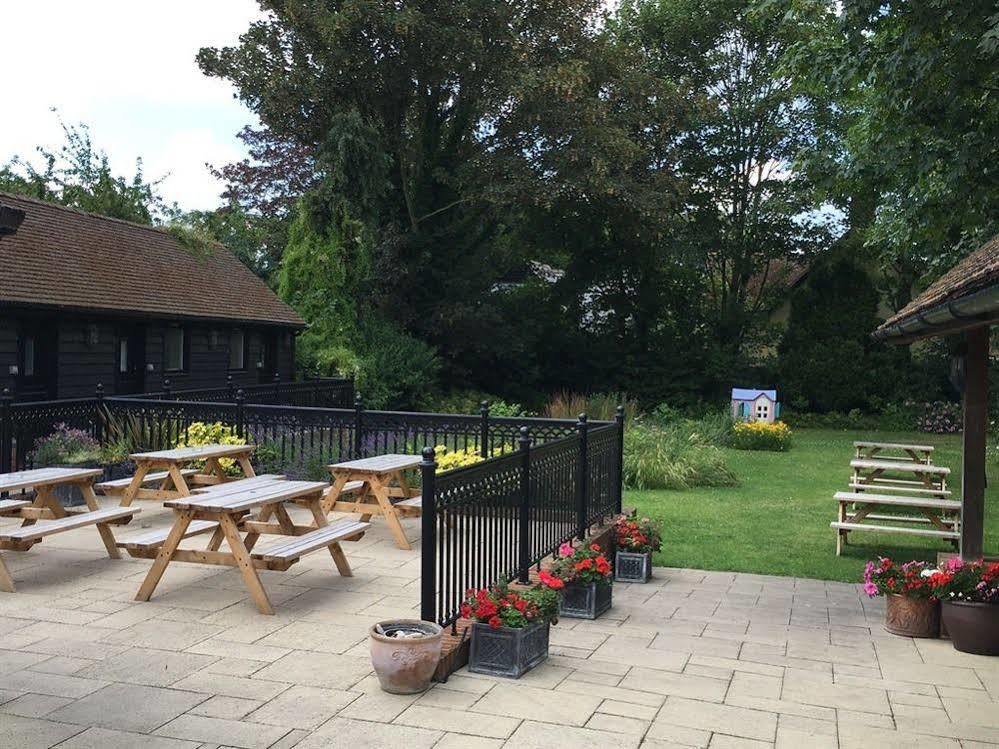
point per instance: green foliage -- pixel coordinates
(598, 406)
(216, 433)
(677, 456)
(79, 175)
(827, 357)
(65, 445)
(470, 402)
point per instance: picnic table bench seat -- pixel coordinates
(913, 487)
(118, 486)
(847, 526)
(50, 527)
(13, 505)
(155, 538)
(877, 464)
(298, 546)
(894, 499)
(894, 446)
(414, 502)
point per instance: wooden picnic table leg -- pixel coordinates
(87, 490)
(252, 537)
(246, 465)
(333, 494)
(391, 518)
(245, 562)
(164, 555)
(132, 491)
(213, 466)
(6, 581)
(179, 482)
(339, 558)
(840, 532)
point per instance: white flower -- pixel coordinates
(928, 573)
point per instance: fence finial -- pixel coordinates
(525, 438)
(429, 456)
(100, 390)
(582, 418)
(620, 412)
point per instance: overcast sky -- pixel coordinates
(127, 69)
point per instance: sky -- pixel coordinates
(126, 69)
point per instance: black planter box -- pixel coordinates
(585, 601)
(506, 651)
(633, 567)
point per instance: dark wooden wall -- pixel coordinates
(83, 363)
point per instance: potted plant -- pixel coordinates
(509, 629)
(969, 599)
(587, 583)
(635, 542)
(911, 606)
(405, 653)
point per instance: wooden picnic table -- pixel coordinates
(873, 451)
(226, 511)
(167, 469)
(923, 478)
(379, 487)
(45, 507)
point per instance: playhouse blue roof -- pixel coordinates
(749, 394)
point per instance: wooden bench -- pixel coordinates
(934, 512)
(411, 506)
(50, 527)
(913, 487)
(119, 486)
(13, 505)
(155, 539)
(296, 547)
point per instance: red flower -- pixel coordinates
(594, 547)
(495, 622)
(466, 611)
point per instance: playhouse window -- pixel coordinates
(762, 410)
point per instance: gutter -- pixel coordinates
(979, 306)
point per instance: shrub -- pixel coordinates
(761, 435)
(599, 406)
(65, 445)
(470, 402)
(200, 433)
(449, 460)
(939, 417)
(305, 463)
(677, 456)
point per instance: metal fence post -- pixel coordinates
(524, 534)
(358, 424)
(582, 480)
(484, 429)
(240, 413)
(619, 479)
(428, 541)
(99, 417)
(166, 389)
(6, 432)
(277, 388)
(230, 389)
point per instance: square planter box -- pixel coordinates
(585, 601)
(632, 567)
(506, 651)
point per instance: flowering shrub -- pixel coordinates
(939, 417)
(953, 581)
(639, 536)
(974, 582)
(65, 445)
(448, 460)
(583, 566)
(761, 435)
(885, 577)
(200, 433)
(499, 606)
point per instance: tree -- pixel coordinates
(747, 207)
(79, 176)
(911, 127)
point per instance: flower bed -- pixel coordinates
(761, 435)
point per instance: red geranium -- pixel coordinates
(585, 565)
(501, 607)
(638, 536)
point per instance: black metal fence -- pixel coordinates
(495, 519)
(319, 392)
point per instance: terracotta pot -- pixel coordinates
(405, 665)
(973, 627)
(912, 617)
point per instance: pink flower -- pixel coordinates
(566, 550)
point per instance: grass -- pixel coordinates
(777, 520)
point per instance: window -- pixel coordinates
(123, 355)
(28, 364)
(762, 410)
(237, 349)
(174, 350)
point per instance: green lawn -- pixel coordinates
(777, 520)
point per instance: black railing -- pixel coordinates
(496, 519)
(323, 392)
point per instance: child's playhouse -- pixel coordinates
(755, 405)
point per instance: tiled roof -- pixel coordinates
(977, 271)
(68, 259)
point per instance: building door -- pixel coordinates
(37, 360)
(269, 357)
(130, 360)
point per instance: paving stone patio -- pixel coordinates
(695, 659)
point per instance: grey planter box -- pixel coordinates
(632, 567)
(506, 651)
(585, 601)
